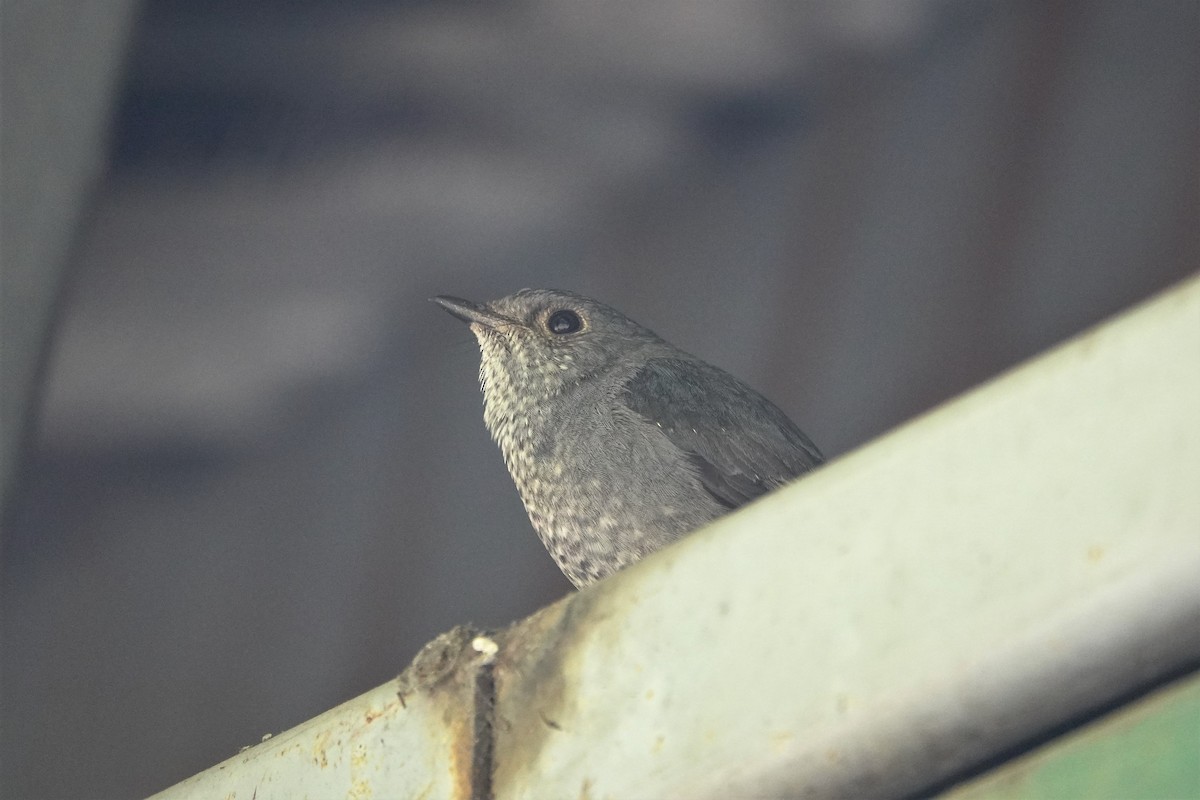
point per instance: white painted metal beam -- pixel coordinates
(998, 568)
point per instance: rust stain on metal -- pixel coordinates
(516, 679)
(319, 756)
(531, 674)
(456, 665)
(484, 723)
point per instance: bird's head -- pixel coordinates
(541, 342)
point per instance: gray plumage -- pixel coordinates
(619, 442)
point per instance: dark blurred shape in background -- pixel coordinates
(258, 479)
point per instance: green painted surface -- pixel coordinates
(1149, 750)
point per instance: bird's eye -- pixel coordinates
(563, 321)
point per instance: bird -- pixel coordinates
(619, 443)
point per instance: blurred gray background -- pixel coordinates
(246, 473)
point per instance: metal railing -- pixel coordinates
(992, 573)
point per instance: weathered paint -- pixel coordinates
(413, 737)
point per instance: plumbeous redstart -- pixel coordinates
(619, 442)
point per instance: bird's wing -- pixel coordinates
(741, 444)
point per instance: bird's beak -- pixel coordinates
(470, 312)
